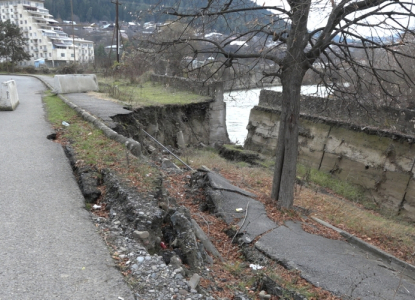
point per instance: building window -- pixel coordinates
(62, 54)
(25, 21)
(50, 54)
(41, 54)
(21, 16)
(30, 27)
(72, 55)
(21, 22)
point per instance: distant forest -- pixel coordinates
(140, 11)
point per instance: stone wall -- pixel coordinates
(334, 138)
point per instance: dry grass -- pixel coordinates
(391, 235)
(394, 237)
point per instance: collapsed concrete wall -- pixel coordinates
(75, 83)
(381, 161)
(9, 98)
(179, 126)
(168, 124)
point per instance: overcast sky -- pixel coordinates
(322, 8)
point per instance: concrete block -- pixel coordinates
(74, 83)
(9, 99)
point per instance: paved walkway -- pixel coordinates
(103, 109)
(49, 248)
(336, 266)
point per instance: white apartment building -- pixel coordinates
(47, 42)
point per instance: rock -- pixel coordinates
(141, 234)
(167, 164)
(151, 149)
(175, 261)
(194, 281)
(263, 295)
(88, 181)
(186, 239)
(179, 270)
(183, 292)
(240, 296)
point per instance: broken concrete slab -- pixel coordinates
(9, 98)
(75, 83)
(225, 208)
(334, 265)
(256, 222)
(217, 182)
(234, 204)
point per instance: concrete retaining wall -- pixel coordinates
(380, 161)
(209, 129)
(9, 98)
(75, 83)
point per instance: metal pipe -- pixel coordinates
(160, 144)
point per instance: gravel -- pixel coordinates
(147, 273)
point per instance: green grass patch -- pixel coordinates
(236, 148)
(147, 93)
(326, 180)
(93, 148)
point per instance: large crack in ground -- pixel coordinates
(154, 243)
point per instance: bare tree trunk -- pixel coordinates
(293, 70)
(287, 147)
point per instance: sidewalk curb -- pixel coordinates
(393, 262)
(133, 146)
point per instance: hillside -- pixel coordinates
(139, 10)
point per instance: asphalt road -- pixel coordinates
(49, 248)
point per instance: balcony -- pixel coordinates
(35, 12)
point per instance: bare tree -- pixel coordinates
(354, 46)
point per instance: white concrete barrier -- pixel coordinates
(9, 99)
(74, 83)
